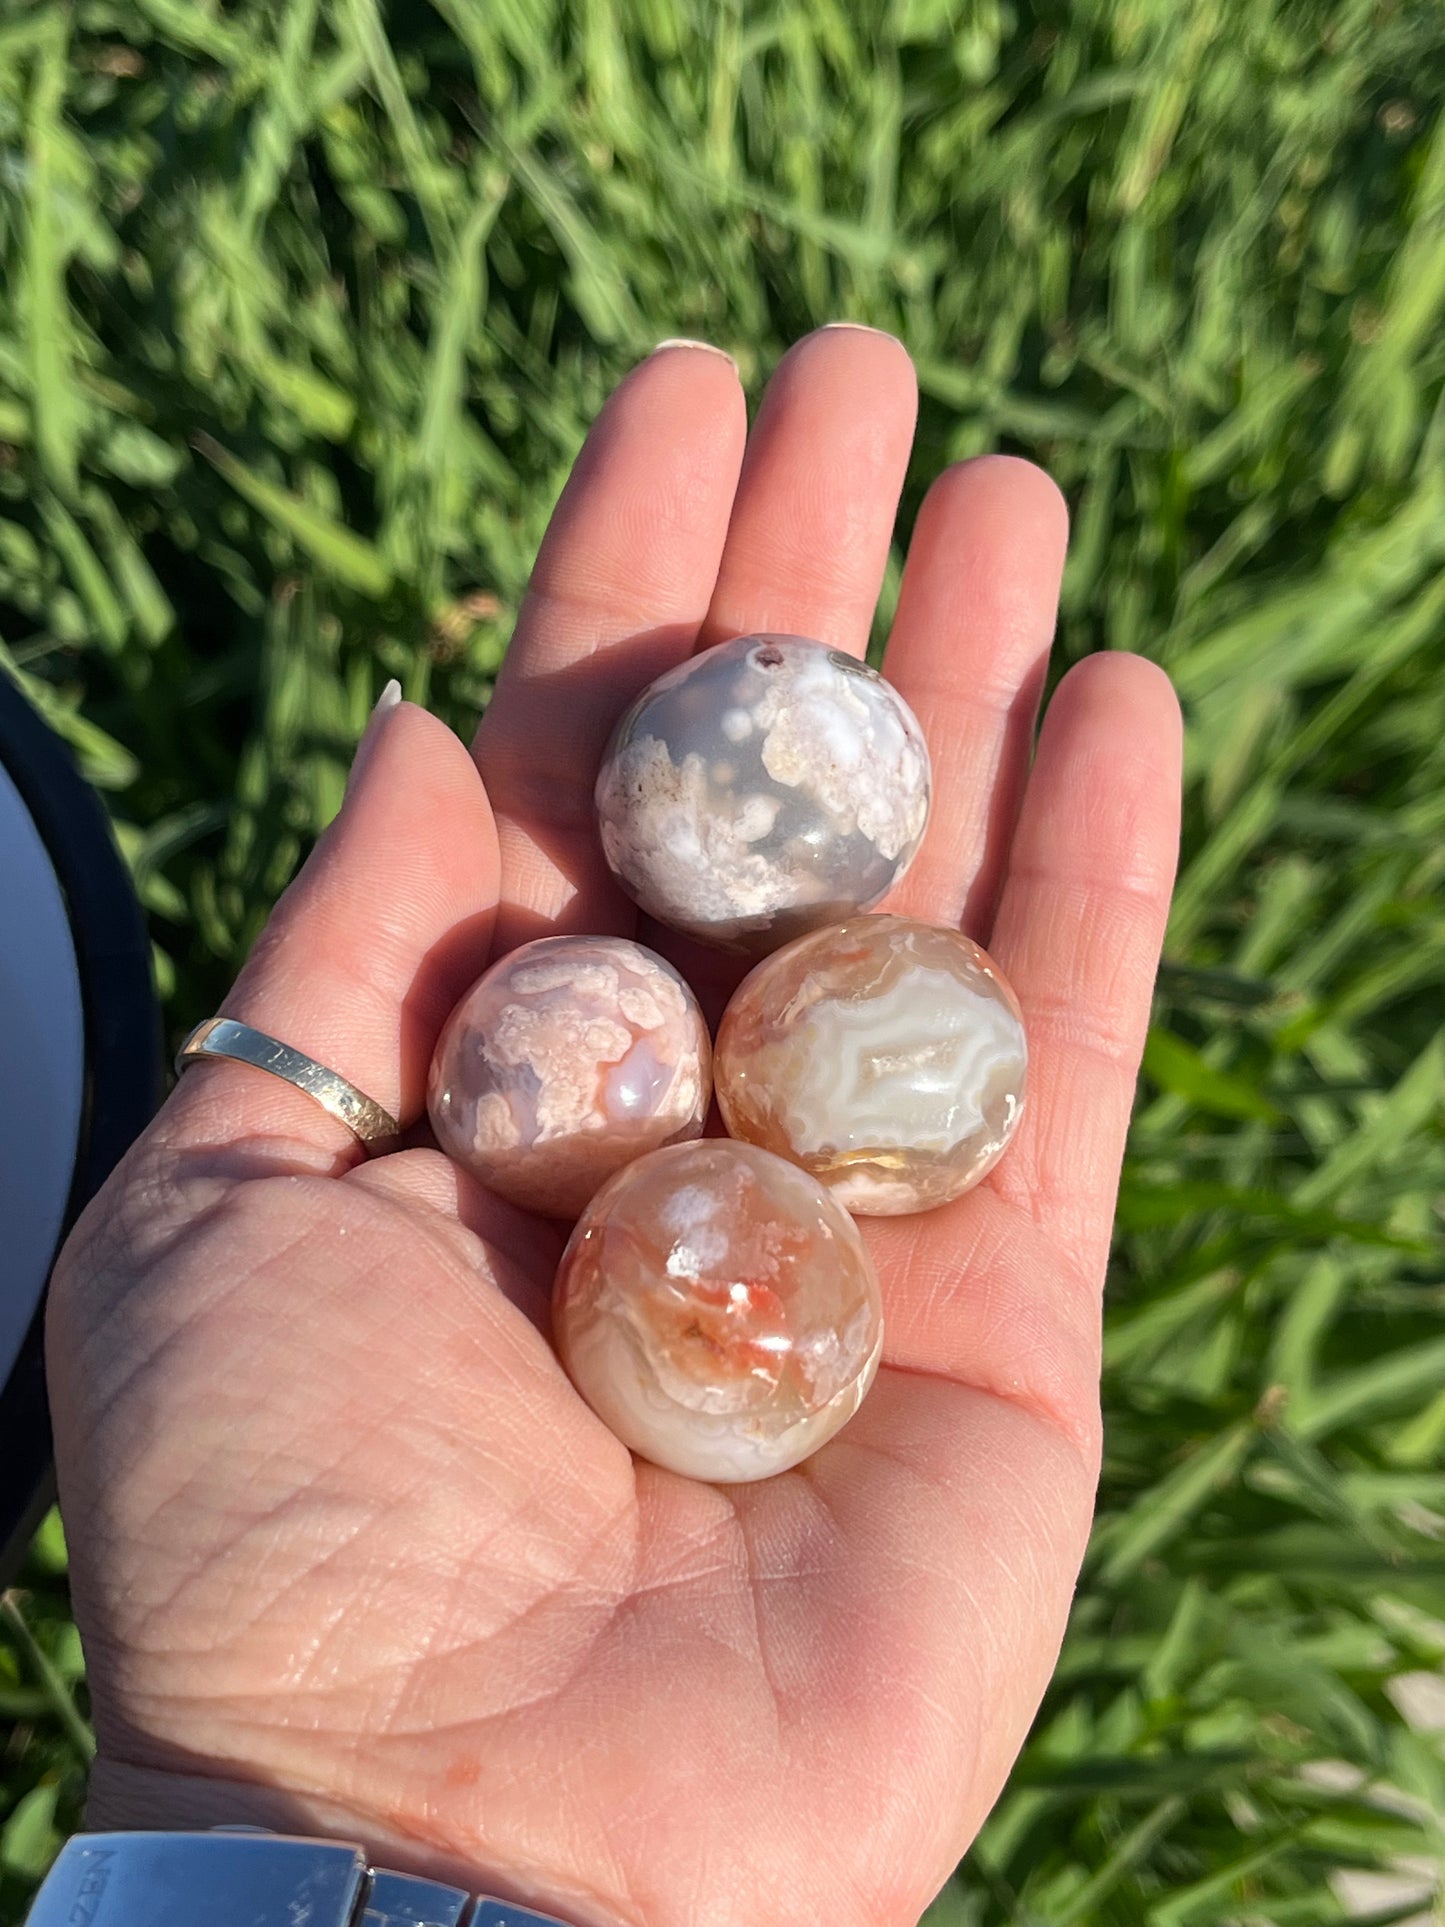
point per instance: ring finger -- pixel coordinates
(969, 649)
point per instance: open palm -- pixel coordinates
(350, 1555)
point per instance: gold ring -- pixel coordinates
(224, 1037)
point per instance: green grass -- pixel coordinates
(304, 309)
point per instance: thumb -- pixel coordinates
(366, 953)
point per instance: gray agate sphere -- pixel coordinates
(763, 788)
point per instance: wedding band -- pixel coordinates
(224, 1037)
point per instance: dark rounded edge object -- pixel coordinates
(122, 1058)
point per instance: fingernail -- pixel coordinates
(683, 341)
(385, 703)
(859, 328)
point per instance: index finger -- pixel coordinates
(621, 585)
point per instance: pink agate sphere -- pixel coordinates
(568, 1059)
(718, 1311)
(884, 1055)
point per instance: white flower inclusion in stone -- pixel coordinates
(693, 843)
(767, 786)
(826, 732)
(569, 1057)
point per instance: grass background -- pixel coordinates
(305, 306)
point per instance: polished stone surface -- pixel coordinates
(884, 1055)
(570, 1057)
(718, 1311)
(765, 786)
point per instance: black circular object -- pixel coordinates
(119, 1082)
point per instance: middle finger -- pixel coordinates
(818, 497)
(808, 541)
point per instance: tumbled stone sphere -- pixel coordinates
(887, 1057)
(761, 788)
(569, 1058)
(718, 1311)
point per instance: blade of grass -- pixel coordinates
(56, 1692)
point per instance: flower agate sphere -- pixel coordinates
(718, 1311)
(885, 1056)
(570, 1057)
(763, 787)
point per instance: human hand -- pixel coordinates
(349, 1553)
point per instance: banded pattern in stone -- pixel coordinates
(885, 1056)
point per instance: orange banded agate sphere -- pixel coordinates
(569, 1058)
(886, 1057)
(718, 1311)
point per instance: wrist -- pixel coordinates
(127, 1798)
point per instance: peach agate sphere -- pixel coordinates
(763, 787)
(718, 1311)
(885, 1056)
(570, 1057)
